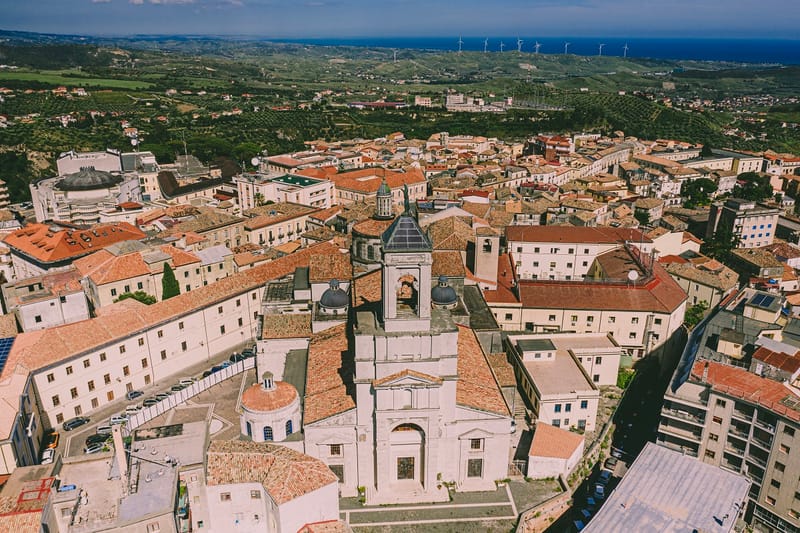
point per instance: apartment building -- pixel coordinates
(736, 420)
(709, 281)
(752, 224)
(276, 224)
(362, 185)
(46, 301)
(256, 189)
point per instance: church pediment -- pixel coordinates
(407, 378)
(476, 433)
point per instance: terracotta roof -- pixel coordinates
(367, 288)
(288, 247)
(405, 373)
(286, 474)
(49, 243)
(505, 278)
(372, 227)
(329, 376)
(105, 267)
(787, 362)
(37, 349)
(326, 214)
(477, 387)
(448, 263)
(661, 295)
(550, 441)
(291, 326)
(570, 234)
(268, 215)
(331, 526)
(323, 268)
(256, 398)
(502, 369)
(204, 219)
(740, 383)
(451, 233)
(721, 277)
(367, 180)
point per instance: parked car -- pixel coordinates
(586, 514)
(162, 396)
(133, 409)
(207, 373)
(604, 477)
(611, 463)
(73, 423)
(47, 456)
(52, 440)
(186, 382)
(177, 387)
(94, 448)
(225, 364)
(216, 368)
(149, 402)
(247, 353)
(132, 395)
(103, 430)
(118, 419)
(578, 525)
(591, 503)
(96, 438)
(236, 357)
(599, 491)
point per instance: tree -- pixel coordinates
(169, 285)
(752, 186)
(697, 192)
(695, 314)
(140, 296)
(643, 217)
(719, 246)
(705, 151)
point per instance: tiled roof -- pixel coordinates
(367, 180)
(661, 295)
(37, 349)
(452, 233)
(256, 398)
(505, 280)
(502, 369)
(268, 215)
(723, 278)
(331, 526)
(49, 243)
(286, 474)
(570, 234)
(104, 267)
(326, 214)
(372, 227)
(367, 288)
(329, 375)
(291, 326)
(323, 268)
(448, 263)
(205, 219)
(477, 387)
(787, 362)
(550, 441)
(740, 383)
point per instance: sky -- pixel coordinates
(411, 18)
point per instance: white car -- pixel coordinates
(118, 419)
(47, 456)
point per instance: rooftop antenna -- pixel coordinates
(502, 46)
(460, 44)
(519, 45)
(566, 47)
(600, 52)
(537, 46)
(625, 50)
(485, 45)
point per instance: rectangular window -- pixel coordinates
(222, 330)
(657, 321)
(122, 349)
(86, 363)
(584, 404)
(785, 449)
(225, 497)
(568, 408)
(720, 402)
(59, 418)
(153, 527)
(144, 362)
(107, 379)
(556, 422)
(573, 318)
(335, 449)
(509, 316)
(788, 430)
(110, 396)
(474, 467)
(160, 333)
(56, 400)
(90, 385)
(589, 319)
(238, 302)
(475, 444)
(139, 285)
(126, 371)
(596, 378)
(78, 410)
(780, 467)
(240, 321)
(102, 356)
(163, 355)
(557, 408)
(713, 436)
(710, 454)
(255, 494)
(69, 370)
(113, 292)
(147, 379)
(598, 360)
(632, 335)
(141, 341)
(180, 325)
(775, 483)
(95, 403)
(612, 319)
(635, 320)
(50, 377)
(717, 420)
(219, 310)
(183, 346)
(73, 392)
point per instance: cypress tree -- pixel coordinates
(169, 285)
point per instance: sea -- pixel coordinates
(764, 51)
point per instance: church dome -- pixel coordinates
(443, 294)
(87, 179)
(384, 189)
(259, 399)
(334, 297)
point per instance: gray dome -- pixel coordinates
(384, 189)
(334, 297)
(87, 179)
(443, 294)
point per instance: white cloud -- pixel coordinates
(101, 1)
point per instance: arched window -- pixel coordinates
(288, 427)
(249, 430)
(267, 433)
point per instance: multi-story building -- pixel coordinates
(750, 223)
(362, 185)
(46, 301)
(259, 189)
(276, 224)
(737, 420)
(709, 281)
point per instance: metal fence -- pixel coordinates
(177, 398)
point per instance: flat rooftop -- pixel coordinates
(667, 491)
(559, 375)
(297, 181)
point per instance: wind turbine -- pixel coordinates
(537, 46)
(460, 44)
(625, 50)
(519, 45)
(566, 46)
(502, 45)
(601, 49)
(485, 45)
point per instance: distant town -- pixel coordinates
(577, 331)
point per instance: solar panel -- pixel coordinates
(405, 234)
(5, 348)
(762, 300)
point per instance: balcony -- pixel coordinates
(739, 432)
(686, 434)
(742, 415)
(763, 424)
(684, 415)
(735, 450)
(764, 445)
(757, 461)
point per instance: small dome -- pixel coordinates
(384, 189)
(443, 294)
(334, 297)
(87, 179)
(257, 399)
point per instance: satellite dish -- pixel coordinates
(255, 161)
(633, 275)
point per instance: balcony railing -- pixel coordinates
(756, 460)
(683, 415)
(765, 425)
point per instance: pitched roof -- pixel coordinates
(550, 441)
(368, 180)
(291, 326)
(323, 268)
(50, 243)
(573, 234)
(105, 267)
(285, 474)
(329, 376)
(448, 263)
(405, 235)
(477, 387)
